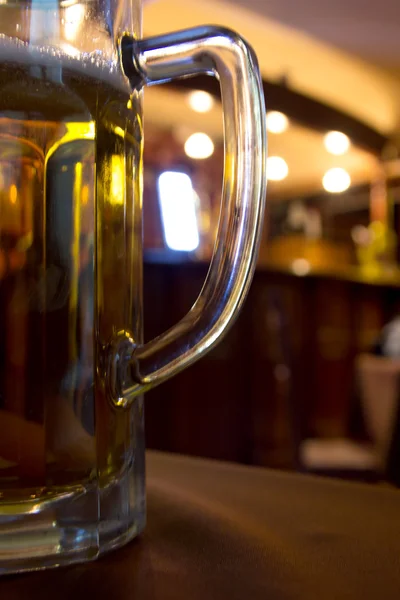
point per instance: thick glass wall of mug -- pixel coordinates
(71, 466)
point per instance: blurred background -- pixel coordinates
(308, 377)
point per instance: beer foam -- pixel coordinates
(88, 64)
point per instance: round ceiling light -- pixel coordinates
(277, 122)
(200, 101)
(336, 142)
(277, 168)
(199, 145)
(336, 180)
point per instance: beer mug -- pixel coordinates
(73, 365)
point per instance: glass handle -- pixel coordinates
(134, 369)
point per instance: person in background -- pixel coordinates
(388, 342)
(387, 345)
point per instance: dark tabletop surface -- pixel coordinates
(222, 531)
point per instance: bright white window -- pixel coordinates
(178, 211)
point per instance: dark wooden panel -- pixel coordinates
(202, 410)
(234, 403)
(333, 368)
